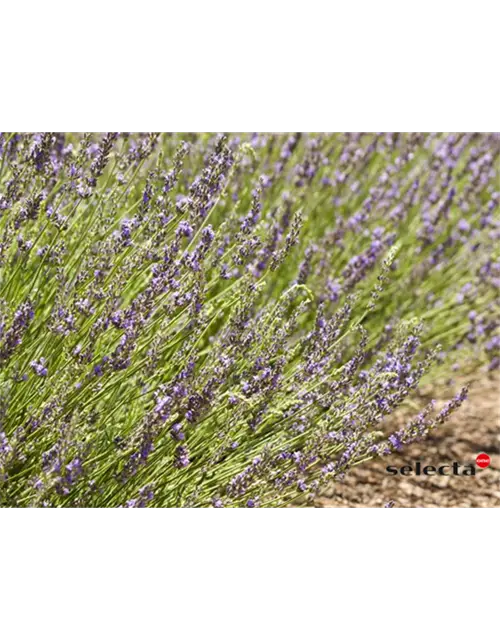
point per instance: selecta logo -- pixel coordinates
(456, 468)
(483, 460)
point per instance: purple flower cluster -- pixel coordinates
(12, 337)
(39, 367)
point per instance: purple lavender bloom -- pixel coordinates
(13, 337)
(185, 229)
(265, 181)
(98, 370)
(5, 447)
(146, 495)
(452, 405)
(39, 367)
(74, 469)
(181, 457)
(396, 441)
(177, 433)
(162, 407)
(463, 226)
(146, 196)
(101, 159)
(207, 235)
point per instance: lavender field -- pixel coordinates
(208, 320)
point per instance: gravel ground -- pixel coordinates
(475, 428)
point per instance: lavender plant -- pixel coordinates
(210, 320)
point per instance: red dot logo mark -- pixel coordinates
(483, 460)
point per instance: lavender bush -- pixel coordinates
(207, 320)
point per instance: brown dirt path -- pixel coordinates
(473, 429)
